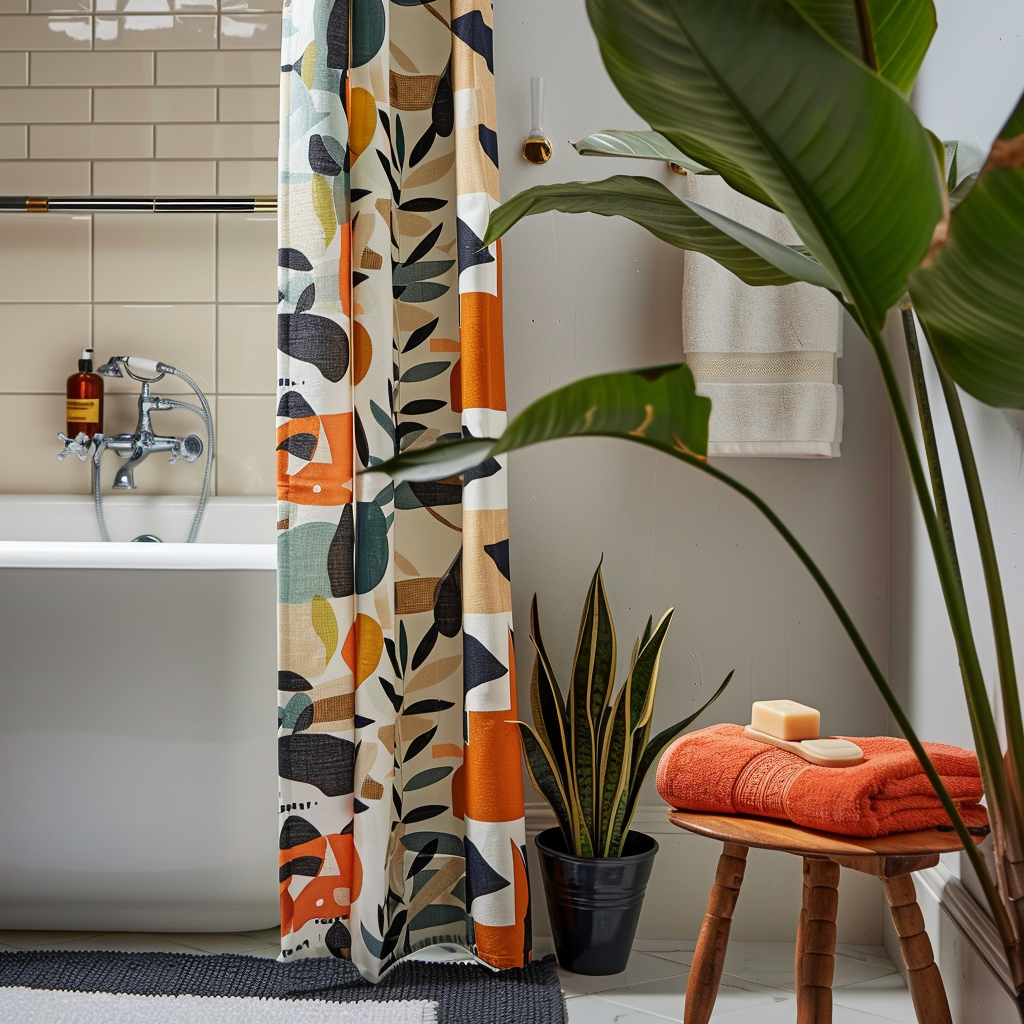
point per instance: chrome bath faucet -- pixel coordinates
(144, 441)
(133, 448)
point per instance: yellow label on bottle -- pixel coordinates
(83, 410)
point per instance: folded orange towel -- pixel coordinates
(719, 771)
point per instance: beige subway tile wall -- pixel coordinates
(140, 97)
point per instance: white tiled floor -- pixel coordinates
(757, 987)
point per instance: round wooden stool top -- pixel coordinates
(771, 834)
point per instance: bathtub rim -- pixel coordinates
(59, 554)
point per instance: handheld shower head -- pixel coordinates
(111, 367)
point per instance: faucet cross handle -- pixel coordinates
(79, 445)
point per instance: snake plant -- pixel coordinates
(804, 107)
(588, 755)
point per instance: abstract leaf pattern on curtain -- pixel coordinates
(401, 801)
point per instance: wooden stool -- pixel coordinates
(890, 858)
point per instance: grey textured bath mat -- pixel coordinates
(74, 987)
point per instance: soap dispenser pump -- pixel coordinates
(85, 399)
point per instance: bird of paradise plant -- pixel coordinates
(803, 106)
(589, 755)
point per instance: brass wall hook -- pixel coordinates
(537, 148)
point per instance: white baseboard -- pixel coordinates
(970, 920)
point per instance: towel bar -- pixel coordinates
(138, 204)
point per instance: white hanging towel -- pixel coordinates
(766, 357)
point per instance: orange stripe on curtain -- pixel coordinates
(483, 353)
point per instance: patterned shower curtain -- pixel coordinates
(400, 794)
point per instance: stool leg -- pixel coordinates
(926, 988)
(709, 956)
(816, 942)
(801, 927)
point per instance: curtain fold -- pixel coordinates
(400, 788)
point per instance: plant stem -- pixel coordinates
(864, 30)
(1000, 630)
(982, 721)
(931, 447)
(993, 580)
(985, 734)
(970, 848)
(983, 529)
(941, 501)
(1008, 882)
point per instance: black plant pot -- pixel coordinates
(594, 902)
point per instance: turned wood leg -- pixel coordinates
(709, 956)
(801, 926)
(926, 988)
(816, 942)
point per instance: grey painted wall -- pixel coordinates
(586, 295)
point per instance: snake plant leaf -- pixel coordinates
(545, 780)
(629, 728)
(757, 92)
(593, 669)
(549, 716)
(754, 258)
(644, 677)
(639, 146)
(890, 37)
(619, 826)
(658, 407)
(615, 759)
(646, 637)
(656, 747)
(968, 293)
(609, 710)
(643, 680)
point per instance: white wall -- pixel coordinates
(586, 295)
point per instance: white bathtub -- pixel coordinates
(138, 784)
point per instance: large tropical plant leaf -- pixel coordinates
(964, 161)
(891, 37)
(751, 256)
(639, 146)
(757, 92)
(658, 407)
(969, 293)
(641, 48)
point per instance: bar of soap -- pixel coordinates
(785, 719)
(833, 749)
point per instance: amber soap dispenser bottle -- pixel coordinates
(85, 399)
